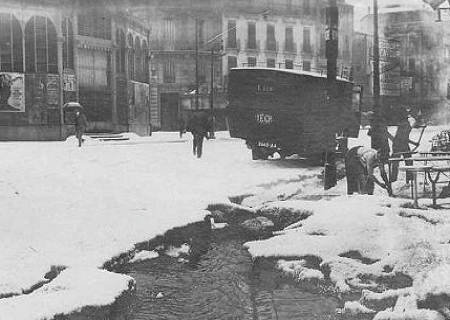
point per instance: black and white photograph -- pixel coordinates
(224, 159)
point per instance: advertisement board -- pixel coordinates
(12, 92)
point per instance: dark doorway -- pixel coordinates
(169, 111)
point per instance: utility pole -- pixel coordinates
(376, 60)
(379, 137)
(378, 125)
(196, 63)
(332, 44)
(332, 50)
(211, 95)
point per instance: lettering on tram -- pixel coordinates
(264, 118)
(260, 88)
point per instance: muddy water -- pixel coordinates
(217, 287)
(225, 284)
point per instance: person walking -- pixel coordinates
(360, 163)
(181, 126)
(198, 125)
(80, 125)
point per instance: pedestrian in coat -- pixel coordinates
(80, 126)
(360, 164)
(199, 126)
(181, 126)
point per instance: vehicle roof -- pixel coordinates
(292, 71)
(73, 105)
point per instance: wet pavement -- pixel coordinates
(225, 283)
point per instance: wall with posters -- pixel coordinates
(55, 52)
(12, 92)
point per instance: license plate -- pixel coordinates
(266, 144)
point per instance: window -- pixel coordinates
(307, 65)
(232, 62)
(94, 78)
(322, 44)
(251, 61)
(95, 23)
(347, 47)
(289, 5)
(271, 42)
(411, 64)
(201, 32)
(169, 72)
(11, 57)
(232, 43)
(146, 77)
(41, 53)
(94, 69)
(169, 34)
(270, 63)
(67, 33)
(306, 40)
(201, 72)
(289, 39)
(307, 7)
(138, 60)
(121, 52)
(289, 64)
(251, 34)
(130, 57)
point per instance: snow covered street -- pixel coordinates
(74, 209)
(79, 207)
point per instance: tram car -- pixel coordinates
(291, 112)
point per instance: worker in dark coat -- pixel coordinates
(400, 147)
(199, 126)
(380, 137)
(360, 164)
(80, 125)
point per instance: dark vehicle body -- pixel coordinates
(290, 111)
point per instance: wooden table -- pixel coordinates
(414, 170)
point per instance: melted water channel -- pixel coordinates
(225, 284)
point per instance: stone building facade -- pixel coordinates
(195, 41)
(56, 51)
(414, 62)
(141, 65)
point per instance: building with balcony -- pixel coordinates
(283, 34)
(55, 51)
(414, 61)
(193, 44)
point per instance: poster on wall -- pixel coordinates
(12, 92)
(70, 83)
(53, 90)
